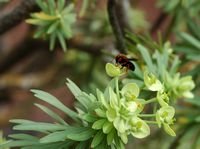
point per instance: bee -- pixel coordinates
(122, 60)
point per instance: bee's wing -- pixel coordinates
(133, 59)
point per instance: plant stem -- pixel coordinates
(17, 15)
(151, 122)
(146, 115)
(150, 101)
(117, 87)
(114, 22)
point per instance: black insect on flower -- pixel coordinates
(122, 60)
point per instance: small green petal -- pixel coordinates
(168, 130)
(124, 137)
(130, 91)
(139, 128)
(112, 70)
(120, 125)
(165, 114)
(131, 106)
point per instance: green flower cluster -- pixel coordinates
(179, 86)
(54, 21)
(124, 108)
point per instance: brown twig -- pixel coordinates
(117, 30)
(31, 45)
(161, 18)
(18, 14)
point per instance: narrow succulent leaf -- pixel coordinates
(52, 41)
(53, 27)
(89, 118)
(110, 136)
(99, 124)
(42, 5)
(100, 112)
(40, 126)
(107, 127)
(54, 137)
(97, 139)
(190, 39)
(83, 145)
(39, 33)
(62, 40)
(51, 114)
(44, 16)
(52, 6)
(21, 121)
(19, 143)
(22, 136)
(147, 58)
(55, 102)
(61, 5)
(73, 88)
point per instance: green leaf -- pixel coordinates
(73, 133)
(174, 66)
(55, 145)
(21, 121)
(107, 127)
(97, 139)
(74, 88)
(110, 84)
(52, 114)
(42, 5)
(100, 112)
(147, 58)
(190, 39)
(83, 145)
(52, 41)
(52, 6)
(55, 102)
(111, 136)
(55, 137)
(194, 29)
(61, 5)
(40, 126)
(39, 32)
(90, 118)
(80, 133)
(19, 143)
(21, 136)
(99, 124)
(53, 27)
(62, 40)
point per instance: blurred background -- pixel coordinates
(27, 63)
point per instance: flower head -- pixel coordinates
(139, 128)
(113, 70)
(151, 82)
